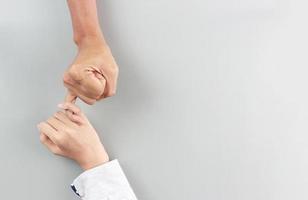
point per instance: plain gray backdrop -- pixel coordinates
(211, 101)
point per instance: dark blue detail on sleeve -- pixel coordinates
(74, 189)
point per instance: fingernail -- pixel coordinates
(60, 105)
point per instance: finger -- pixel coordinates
(73, 112)
(56, 124)
(71, 76)
(49, 144)
(111, 76)
(77, 119)
(94, 82)
(48, 130)
(69, 118)
(70, 114)
(87, 84)
(87, 100)
(80, 94)
(90, 86)
(70, 107)
(99, 75)
(70, 97)
(60, 115)
(74, 118)
(110, 87)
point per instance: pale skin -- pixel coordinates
(93, 74)
(69, 133)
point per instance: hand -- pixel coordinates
(69, 133)
(93, 74)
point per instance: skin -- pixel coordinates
(93, 74)
(69, 133)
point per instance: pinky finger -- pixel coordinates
(70, 97)
(74, 118)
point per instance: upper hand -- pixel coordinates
(93, 74)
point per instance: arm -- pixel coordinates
(85, 23)
(93, 74)
(70, 134)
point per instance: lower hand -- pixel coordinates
(69, 133)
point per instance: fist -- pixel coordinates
(69, 133)
(93, 74)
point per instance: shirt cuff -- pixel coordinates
(106, 181)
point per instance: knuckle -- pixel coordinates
(73, 72)
(61, 143)
(66, 130)
(64, 134)
(111, 93)
(66, 78)
(60, 138)
(71, 75)
(115, 69)
(57, 114)
(71, 131)
(114, 72)
(91, 102)
(56, 152)
(61, 113)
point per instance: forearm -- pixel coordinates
(85, 22)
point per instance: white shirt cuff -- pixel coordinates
(103, 182)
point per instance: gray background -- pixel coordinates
(211, 102)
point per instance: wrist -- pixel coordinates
(90, 41)
(95, 160)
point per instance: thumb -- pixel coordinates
(70, 97)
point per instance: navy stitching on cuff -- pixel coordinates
(74, 189)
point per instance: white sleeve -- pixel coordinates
(105, 182)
